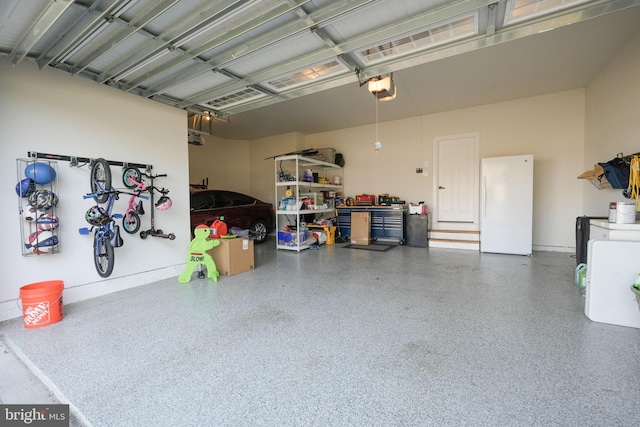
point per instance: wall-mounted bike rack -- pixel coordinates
(81, 161)
(204, 185)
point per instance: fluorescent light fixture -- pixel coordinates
(382, 88)
(521, 10)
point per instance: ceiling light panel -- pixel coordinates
(432, 36)
(520, 10)
(235, 98)
(308, 75)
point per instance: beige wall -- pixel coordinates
(551, 127)
(226, 164)
(244, 166)
(262, 166)
(612, 121)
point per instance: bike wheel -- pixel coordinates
(134, 173)
(131, 222)
(103, 255)
(100, 179)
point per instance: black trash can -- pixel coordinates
(583, 224)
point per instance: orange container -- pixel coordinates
(218, 228)
(42, 303)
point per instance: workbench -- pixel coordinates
(387, 222)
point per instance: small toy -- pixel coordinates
(198, 254)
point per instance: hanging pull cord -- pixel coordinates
(377, 138)
(634, 180)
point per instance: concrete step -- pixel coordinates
(455, 239)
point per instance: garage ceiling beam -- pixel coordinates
(126, 31)
(46, 19)
(165, 40)
(313, 20)
(82, 28)
(363, 41)
(255, 22)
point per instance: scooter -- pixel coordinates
(162, 204)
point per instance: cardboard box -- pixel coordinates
(596, 177)
(233, 256)
(360, 228)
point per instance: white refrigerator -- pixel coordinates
(506, 205)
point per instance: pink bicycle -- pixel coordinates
(132, 179)
(131, 218)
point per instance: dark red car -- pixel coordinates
(238, 210)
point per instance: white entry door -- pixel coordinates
(457, 178)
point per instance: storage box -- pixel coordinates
(291, 238)
(325, 154)
(420, 209)
(233, 256)
(360, 228)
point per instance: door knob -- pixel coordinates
(440, 187)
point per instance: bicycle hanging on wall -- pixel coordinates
(133, 178)
(131, 220)
(106, 234)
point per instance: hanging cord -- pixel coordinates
(376, 101)
(634, 180)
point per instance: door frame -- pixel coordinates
(468, 226)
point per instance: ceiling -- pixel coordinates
(266, 67)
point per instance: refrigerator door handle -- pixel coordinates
(484, 197)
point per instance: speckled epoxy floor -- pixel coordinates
(343, 337)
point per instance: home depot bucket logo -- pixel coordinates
(35, 314)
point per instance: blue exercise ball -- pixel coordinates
(41, 173)
(25, 187)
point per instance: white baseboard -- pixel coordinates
(11, 309)
(546, 248)
(454, 245)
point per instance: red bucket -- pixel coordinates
(42, 303)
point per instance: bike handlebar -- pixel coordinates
(150, 175)
(115, 192)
